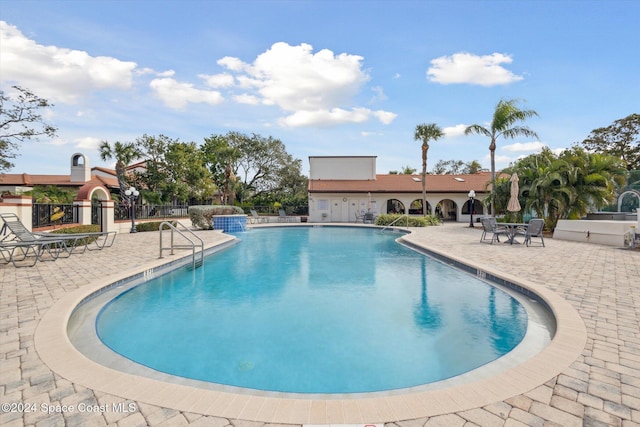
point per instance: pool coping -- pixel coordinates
(56, 350)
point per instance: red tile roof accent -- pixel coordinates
(478, 182)
(29, 180)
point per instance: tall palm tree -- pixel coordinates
(123, 153)
(424, 133)
(504, 123)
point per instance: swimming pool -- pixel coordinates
(320, 310)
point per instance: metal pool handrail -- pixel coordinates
(191, 246)
(396, 220)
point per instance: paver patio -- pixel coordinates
(601, 387)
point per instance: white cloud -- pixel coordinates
(316, 89)
(246, 99)
(87, 143)
(454, 131)
(218, 80)
(385, 117)
(177, 95)
(335, 116)
(473, 69)
(525, 147)
(58, 74)
(233, 64)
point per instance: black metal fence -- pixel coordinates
(54, 214)
(58, 214)
(123, 211)
(272, 210)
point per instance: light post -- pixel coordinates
(132, 194)
(472, 195)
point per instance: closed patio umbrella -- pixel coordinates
(514, 203)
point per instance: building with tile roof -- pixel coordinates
(344, 187)
(80, 174)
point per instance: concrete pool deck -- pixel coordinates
(600, 387)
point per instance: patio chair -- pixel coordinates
(283, 216)
(369, 218)
(256, 219)
(69, 242)
(490, 228)
(359, 217)
(15, 252)
(535, 228)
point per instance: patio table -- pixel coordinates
(512, 227)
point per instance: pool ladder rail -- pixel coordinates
(406, 216)
(190, 236)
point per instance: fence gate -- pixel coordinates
(96, 213)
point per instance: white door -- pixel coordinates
(336, 210)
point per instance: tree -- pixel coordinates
(188, 178)
(504, 124)
(407, 170)
(155, 175)
(594, 179)
(472, 167)
(221, 159)
(453, 167)
(404, 170)
(20, 122)
(424, 133)
(564, 186)
(620, 139)
(123, 153)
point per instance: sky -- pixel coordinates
(327, 78)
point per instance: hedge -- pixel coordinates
(414, 221)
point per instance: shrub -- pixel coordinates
(93, 228)
(79, 229)
(202, 216)
(414, 221)
(151, 226)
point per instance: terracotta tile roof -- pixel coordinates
(405, 184)
(29, 180)
(105, 170)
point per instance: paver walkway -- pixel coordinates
(601, 388)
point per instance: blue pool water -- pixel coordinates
(314, 310)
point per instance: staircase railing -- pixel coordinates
(189, 235)
(396, 220)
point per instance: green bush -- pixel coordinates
(202, 216)
(79, 229)
(151, 226)
(414, 221)
(93, 228)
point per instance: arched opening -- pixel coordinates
(447, 210)
(97, 194)
(416, 208)
(77, 160)
(628, 201)
(478, 208)
(395, 206)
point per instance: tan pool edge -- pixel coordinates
(56, 350)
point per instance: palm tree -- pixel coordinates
(594, 178)
(424, 133)
(123, 153)
(505, 117)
